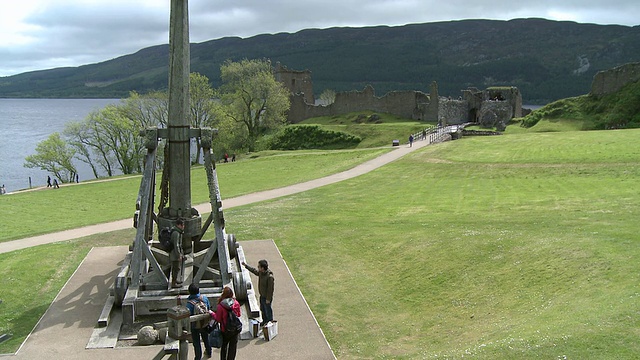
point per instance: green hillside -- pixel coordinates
(620, 110)
(547, 60)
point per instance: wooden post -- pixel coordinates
(178, 122)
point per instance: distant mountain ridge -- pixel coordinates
(547, 60)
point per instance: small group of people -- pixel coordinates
(226, 158)
(226, 301)
(54, 185)
(423, 136)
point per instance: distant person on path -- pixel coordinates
(196, 334)
(410, 140)
(266, 283)
(77, 178)
(226, 157)
(55, 184)
(227, 303)
(424, 134)
(177, 256)
(233, 158)
(3, 190)
(49, 181)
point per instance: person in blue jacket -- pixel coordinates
(196, 334)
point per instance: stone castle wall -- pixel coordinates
(473, 106)
(610, 81)
(298, 82)
(453, 111)
(408, 104)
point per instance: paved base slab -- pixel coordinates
(70, 322)
(106, 337)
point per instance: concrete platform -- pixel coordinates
(66, 327)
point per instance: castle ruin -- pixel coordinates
(612, 80)
(493, 107)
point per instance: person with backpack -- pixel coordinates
(199, 304)
(265, 287)
(176, 255)
(228, 314)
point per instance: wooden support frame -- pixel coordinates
(143, 258)
(218, 222)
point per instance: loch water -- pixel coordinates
(26, 122)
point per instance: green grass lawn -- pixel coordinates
(48, 210)
(520, 249)
(374, 133)
(518, 246)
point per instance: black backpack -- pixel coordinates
(234, 324)
(165, 239)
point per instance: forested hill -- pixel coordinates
(547, 60)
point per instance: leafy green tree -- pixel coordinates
(81, 139)
(121, 137)
(108, 139)
(54, 155)
(147, 110)
(252, 98)
(201, 104)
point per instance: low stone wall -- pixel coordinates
(480, 133)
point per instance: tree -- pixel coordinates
(147, 110)
(201, 104)
(121, 137)
(54, 155)
(252, 98)
(80, 138)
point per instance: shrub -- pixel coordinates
(311, 137)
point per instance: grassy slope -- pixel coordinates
(613, 111)
(373, 132)
(519, 246)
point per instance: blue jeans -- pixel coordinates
(267, 312)
(196, 334)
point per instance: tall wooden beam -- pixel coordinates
(179, 125)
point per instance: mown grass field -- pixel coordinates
(48, 210)
(512, 247)
(519, 246)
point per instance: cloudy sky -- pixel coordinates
(44, 34)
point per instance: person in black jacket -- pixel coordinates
(265, 287)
